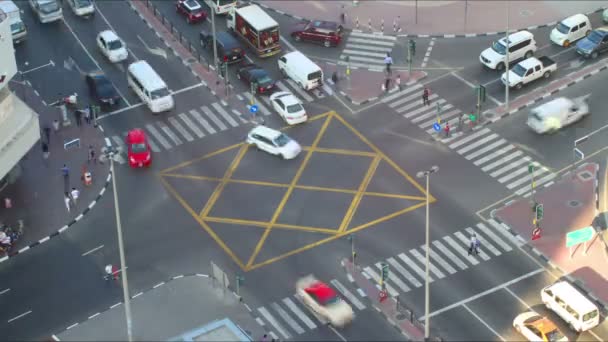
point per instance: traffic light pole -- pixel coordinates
(252, 100)
(507, 60)
(214, 38)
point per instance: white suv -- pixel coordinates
(521, 46)
(273, 142)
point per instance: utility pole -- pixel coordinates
(411, 52)
(252, 100)
(214, 40)
(507, 60)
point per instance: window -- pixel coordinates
(583, 24)
(281, 140)
(48, 7)
(589, 316)
(537, 68)
(160, 93)
(519, 70)
(529, 72)
(534, 330)
(574, 28)
(499, 47)
(314, 75)
(294, 108)
(115, 45)
(82, 3)
(280, 103)
(138, 148)
(283, 59)
(563, 28)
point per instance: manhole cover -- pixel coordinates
(525, 13)
(585, 175)
(574, 204)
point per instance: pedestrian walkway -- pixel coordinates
(487, 150)
(204, 121)
(366, 50)
(289, 317)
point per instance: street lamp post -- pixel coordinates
(121, 248)
(427, 174)
(214, 40)
(507, 60)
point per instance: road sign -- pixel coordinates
(253, 108)
(536, 233)
(579, 236)
(579, 154)
(437, 127)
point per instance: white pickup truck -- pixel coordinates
(529, 70)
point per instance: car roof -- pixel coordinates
(324, 25)
(266, 132)
(602, 30)
(227, 40)
(544, 325)
(576, 300)
(288, 98)
(303, 62)
(575, 20)
(97, 74)
(321, 291)
(108, 35)
(517, 37)
(263, 21)
(137, 135)
(529, 62)
(192, 4)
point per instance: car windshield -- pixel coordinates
(264, 79)
(555, 335)
(82, 3)
(519, 70)
(535, 116)
(49, 7)
(282, 140)
(595, 37)
(563, 28)
(499, 47)
(315, 75)
(114, 44)
(294, 108)
(17, 27)
(138, 148)
(159, 93)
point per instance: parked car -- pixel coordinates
(47, 11)
(289, 107)
(112, 46)
(229, 50)
(529, 70)
(535, 327)
(570, 30)
(192, 10)
(101, 89)
(274, 142)
(521, 45)
(82, 8)
(138, 149)
(326, 33)
(323, 301)
(253, 74)
(594, 44)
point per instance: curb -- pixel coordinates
(438, 35)
(545, 260)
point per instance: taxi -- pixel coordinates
(138, 149)
(324, 302)
(535, 327)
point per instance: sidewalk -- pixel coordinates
(37, 195)
(180, 309)
(436, 18)
(569, 204)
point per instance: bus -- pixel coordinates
(221, 6)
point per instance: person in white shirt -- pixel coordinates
(474, 247)
(388, 60)
(75, 194)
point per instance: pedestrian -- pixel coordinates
(47, 133)
(461, 121)
(67, 201)
(56, 125)
(343, 16)
(65, 171)
(87, 115)
(45, 150)
(78, 114)
(111, 272)
(398, 81)
(474, 246)
(447, 129)
(388, 61)
(425, 96)
(91, 155)
(264, 338)
(387, 84)
(75, 194)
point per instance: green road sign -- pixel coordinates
(579, 236)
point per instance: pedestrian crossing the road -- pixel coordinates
(487, 150)
(367, 50)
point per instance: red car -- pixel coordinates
(192, 10)
(139, 153)
(326, 33)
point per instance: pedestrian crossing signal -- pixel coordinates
(384, 272)
(539, 211)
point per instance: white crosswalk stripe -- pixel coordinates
(364, 53)
(506, 233)
(214, 118)
(436, 257)
(218, 107)
(153, 145)
(397, 94)
(484, 243)
(422, 260)
(299, 313)
(509, 166)
(445, 117)
(432, 114)
(409, 106)
(502, 160)
(176, 140)
(239, 115)
(461, 249)
(346, 293)
(367, 49)
(173, 121)
(376, 278)
(468, 138)
(395, 280)
(486, 231)
(285, 316)
(158, 136)
(198, 117)
(477, 143)
(513, 174)
(274, 322)
(541, 181)
(261, 107)
(485, 149)
(449, 254)
(414, 267)
(465, 240)
(496, 154)
(537, 174)
(301, 92)
(118, 141)
(190, 124)
(403, 272)
(422, 109)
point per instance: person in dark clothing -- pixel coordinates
(78, 115)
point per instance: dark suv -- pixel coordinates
(594, 44)
(326, 33)
(229, 49)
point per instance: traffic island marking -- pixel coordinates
(209, 194)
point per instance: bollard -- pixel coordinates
(369, 24)
(382, 25)
(357, 23)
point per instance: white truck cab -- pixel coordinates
(18, 29)
(529, 70)
(553, 115)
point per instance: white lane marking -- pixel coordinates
(444, 116)
(528, 178)
(486, 292)
(196, 115)
(450, 255)
(401, 93)
(321, 320)
(373, 43)
(156, 134)
(4, 291)
(224, 114)
(173, 121)
(299, 90)
(191, 124)
(214, 118)
(153, 145)
(538, 182)
(395, 280)
(422, 259)
(477, 143)
(408, 98)
(515, 173)
(196, 85)
(375, 37)
(415, 267)
(367, 47)
(501, 160)
(337, 333)
(364, 53)
(376, 278)
(91, 251)
(346, 293)
(169, 133)
(301, 315)
(450, 117)
(118, 111)
(494, 237)
(239, 115)
(378, 61)
(420, 110)
(405, 273)
(466, 241)
(274, 322)
(484, 243)
(462, 249)
(499, 227)
(17, 317)
(290, 321)
(485, 149)
(414, 104)
(469, 138)
(436, 257)
(110, 26)
(118, 141)
(510, 166)
(483, 322)
(494, 155)
(286, 42)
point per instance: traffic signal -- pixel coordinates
(384, 272)
(472, 117)
(412, 47)
(481, 93)
(539, 211)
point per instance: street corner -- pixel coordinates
(257, 207)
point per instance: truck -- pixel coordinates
(529, 70)
(256, 28)
(18, 29)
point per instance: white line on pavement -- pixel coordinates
(301, 315)
(473, 87)
(4, 291)
(93, 250)
(337, 333)
(483, 322)
(17, 317)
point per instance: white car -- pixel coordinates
(289, 107)
(324, 302)
(273, 142)
(535, 327)
(112, 46)
(83, 8)
(605, 16)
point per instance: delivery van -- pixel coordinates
(301, 70)
(552, 116)
(570, 304)
(150, 88)
(18, 29)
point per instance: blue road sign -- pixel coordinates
(437, 127)
(253, 108)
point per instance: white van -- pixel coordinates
(574, 308)
(47, 10)
(570, 30)
(558, 113)
(18, 29)
(521, 46)
(150, 88)
(302, 70)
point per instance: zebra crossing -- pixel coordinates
(210, 119)
(487, 150)
(448, 256)
(290, 317)
(367, 50)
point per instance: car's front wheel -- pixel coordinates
(500, 66)
(327, 43)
